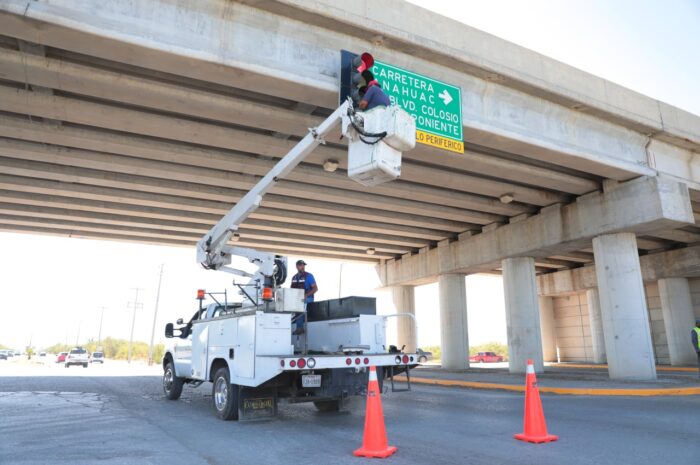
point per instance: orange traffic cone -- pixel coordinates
(535, 426)
(374, 443)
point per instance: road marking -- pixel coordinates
(691, 391)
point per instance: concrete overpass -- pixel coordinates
(145, 122)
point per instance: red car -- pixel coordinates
(486, 357)
(61, 357)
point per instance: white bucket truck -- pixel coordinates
(247, 349)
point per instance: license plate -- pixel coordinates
(311, 381)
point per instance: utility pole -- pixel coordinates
(136, 306)
(155, 316)
(99, 333)
(77, 336)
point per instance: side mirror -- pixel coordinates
(179, 321)
(169, 330)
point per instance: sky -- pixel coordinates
(650, 46)
(52, 288)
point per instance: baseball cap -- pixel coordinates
(301, 262)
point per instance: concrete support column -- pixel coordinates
(679, 319)
(453, 322)
(522, 314)
(595, 320)
(623, 307)
(549, 330)
(405, 302)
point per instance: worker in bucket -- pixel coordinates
(306, 281)
(695, 337)
(372, 94)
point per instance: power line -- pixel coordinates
(136, 306)
(155, 316)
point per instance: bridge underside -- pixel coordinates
(100, 148)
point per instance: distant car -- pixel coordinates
(77, 356)
(97, 357)
(3, 355)
(486, 357)
(424, 356)
(10, 353)
(42, 354)
(61, 357)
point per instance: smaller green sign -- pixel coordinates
(435, 105)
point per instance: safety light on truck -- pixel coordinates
(267, 293)
(311, 362)
(200, 294)
(301, 363)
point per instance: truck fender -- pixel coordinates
(215, 365)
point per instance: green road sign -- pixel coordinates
(435, 105)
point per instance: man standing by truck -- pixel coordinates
(306, 281)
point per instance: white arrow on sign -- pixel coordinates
(445, 96)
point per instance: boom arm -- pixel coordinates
(213, 251)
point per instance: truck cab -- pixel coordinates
(253, 359)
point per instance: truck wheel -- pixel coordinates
(66, 365)
(84, 365)
(172, 385)
(225, 396)
(327, 405)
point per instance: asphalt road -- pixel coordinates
(101, 416)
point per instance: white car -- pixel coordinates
(77, 356)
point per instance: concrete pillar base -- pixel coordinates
(623, 307)
(679, 319)
(453, 322)
(522, 314)
(596, 322)
(405, 302)
(548, 329)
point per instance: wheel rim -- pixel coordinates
(220, 393)
(168, 380)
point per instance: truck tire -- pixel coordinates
(85, 365)
(327, 405)
(66, 365)
(225, 396)
(172, 385)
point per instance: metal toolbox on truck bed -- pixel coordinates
(349, 307)
(317, 311)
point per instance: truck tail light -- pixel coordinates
(397, 359)
(348, 361)
(357, 361)
(301, 363)
(292, 363)
(282, 363)
(311, 362)
(405, 359)
(366, 360)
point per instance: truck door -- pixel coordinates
(200, 344)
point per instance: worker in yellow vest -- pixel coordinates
(695, 337)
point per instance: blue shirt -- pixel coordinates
(305, 281)
(375, 97)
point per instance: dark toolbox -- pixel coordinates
(347, 307)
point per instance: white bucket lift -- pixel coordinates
(374, 153)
